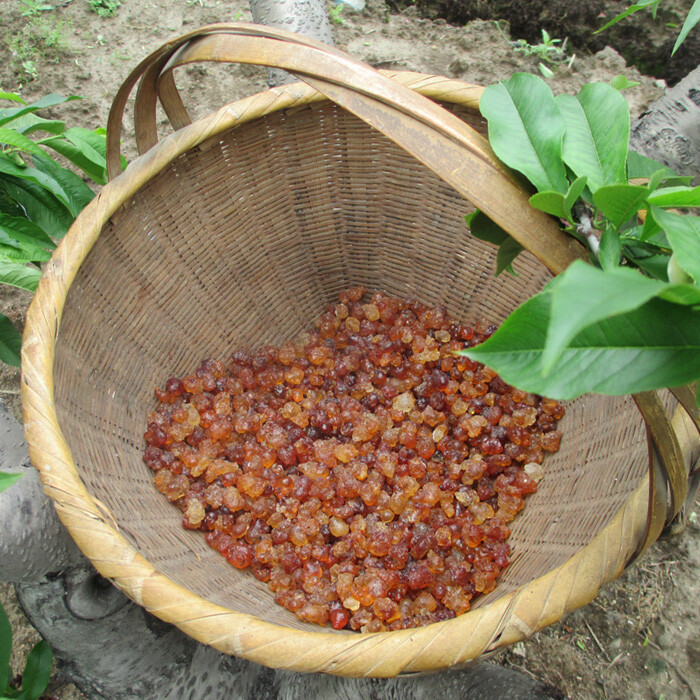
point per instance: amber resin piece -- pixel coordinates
(365, 471)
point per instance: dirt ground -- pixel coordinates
(640, 638)
(644, 39)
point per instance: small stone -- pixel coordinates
(519, 650)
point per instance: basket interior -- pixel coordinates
(243, 242)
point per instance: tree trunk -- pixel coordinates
(670, 130)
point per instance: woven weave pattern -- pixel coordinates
(241, 245)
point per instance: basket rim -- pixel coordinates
(508, 619)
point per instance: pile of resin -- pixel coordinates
(365, 471)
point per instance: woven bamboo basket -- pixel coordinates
(238, 229)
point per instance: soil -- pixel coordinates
(640, 637)
(644, 40)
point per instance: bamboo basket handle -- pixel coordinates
(668, 472)
(434, 136)
(436, 87)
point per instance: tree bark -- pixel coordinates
(33, 543)
(125, 653)
(307, 17)
(669, 131)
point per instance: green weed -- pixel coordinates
(335, 14)
(691, 19)
(32, 8)
(30, 69)
(549, 50)
(41, 39)
(116, 56)
(105, 8)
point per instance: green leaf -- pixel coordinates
(10, 252)
(6, 480)
(545, 71)
(487, 230)
(78, 193)
(655, 180)
(676, 197)
(639, 166)
(8, 115)
(14, 138)
(18, 275)
(25, 231)
(10, 351)
(37, 670)
(40, 206)
(675, 272)
(691, 20)
(29, 174)
(557, 204)
(610, 249)
(654, 264)
(620, 202)
(30, 123)
(5, 627)
(657, 242)
(688, 294)
(630, 10)
(621, 82)
(13, 96)
(650, 255)
(526, 129)
(507, 252)
(575, 191)
(93, 144)
(683, 234)
(597, 134)
(95, 168)
(650, 228)
(551, 202)
(583, 295)
(19, 240)
(656, 345)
